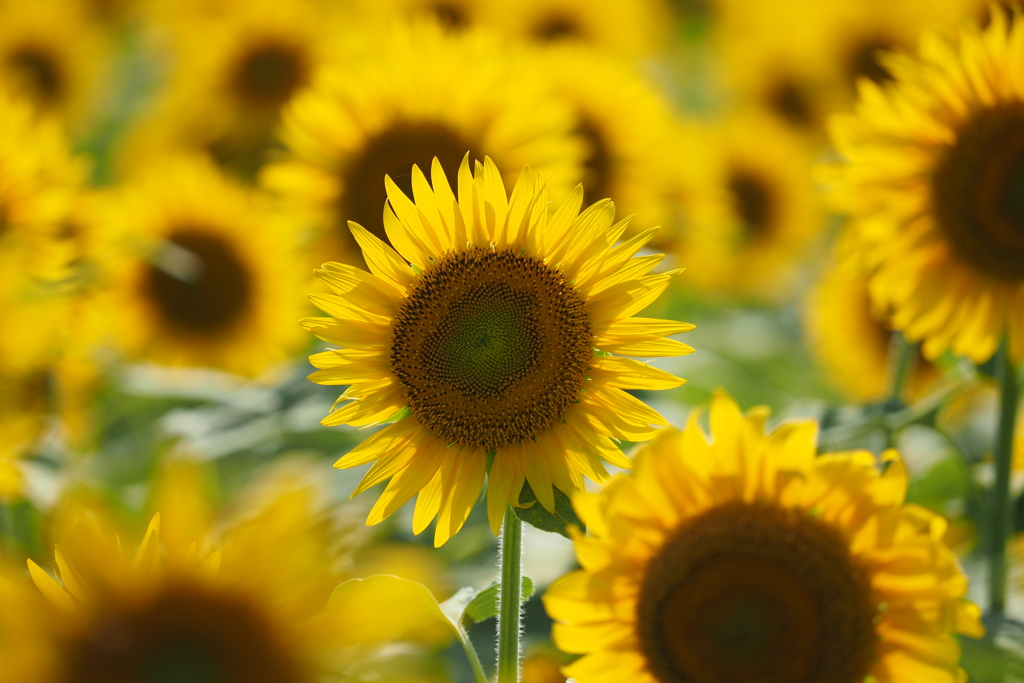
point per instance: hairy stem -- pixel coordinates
(510, 600)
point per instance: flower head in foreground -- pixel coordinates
(744, 556)
(188, 603)
(477, 337)
(934, 181)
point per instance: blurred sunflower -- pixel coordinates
(244, 604)
(629, 29)
(751, 212)
(741, 555)
(802, 59)
(53, 54)
(624, 121)
(852, 339)
(933, 183)
(455, 15)
(38, 182)
(233, 71)
(476, 338)
(213, 278)
(395, 105)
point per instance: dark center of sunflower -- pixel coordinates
(268, 76)
(198, 283)
(597, 164)
(978, 192)
(865, 60)
(393, 152)
(38, 72)
(752, 200)
(491, 348)
(755, 593)
(186, 634)
(789, 100)
(555, 28)
(450, 15)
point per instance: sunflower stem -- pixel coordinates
(1001, 522)
(902, 366)
(510, 597)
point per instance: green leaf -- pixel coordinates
(484, 604)
(384, 608)
(535, 514)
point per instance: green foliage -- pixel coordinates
(535, 515)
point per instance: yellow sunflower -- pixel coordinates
(802, 59)
(933, 184)
(751, 213)
(395, 104)
(476, 338)
(741, 555)
(232, 73)
(852, 339)
(624, 121)
(242, 601)
(453, 15)
(630, 29)
(55, 55)
(210, 276)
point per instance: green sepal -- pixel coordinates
(537, 516)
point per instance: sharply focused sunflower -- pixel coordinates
(934, 184)
(393, 105)
(232, 73)
(629, 29)
(477, 337)
(244, 603)
(741, 555)
(624, 121)
(750, 210)
(211, 277)
(852, 339)
(55, 55)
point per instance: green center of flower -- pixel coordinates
(490, 348)
(978, 192)
(268, 76)
(752, 592)
(198, 283)
(38, 73)
(393, 152)
(752, 201)
(185, 634)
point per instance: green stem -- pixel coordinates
(510, 597)
(474, 661)
(902, 365)
(1001, 522)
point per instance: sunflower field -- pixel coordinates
(654, 341)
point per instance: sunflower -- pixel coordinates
(211, 277)
(452, 15)
(54, 54)
(233, 71)
(394, 105)
(476, 338)
(852, 340)
(629, 29)
(802, 59)
(932, 184)
(741, 555)
(38, 182)
(191, 603)
(624, 121)
(750, 210)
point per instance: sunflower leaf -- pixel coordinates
(535, 515)
(484, 604)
